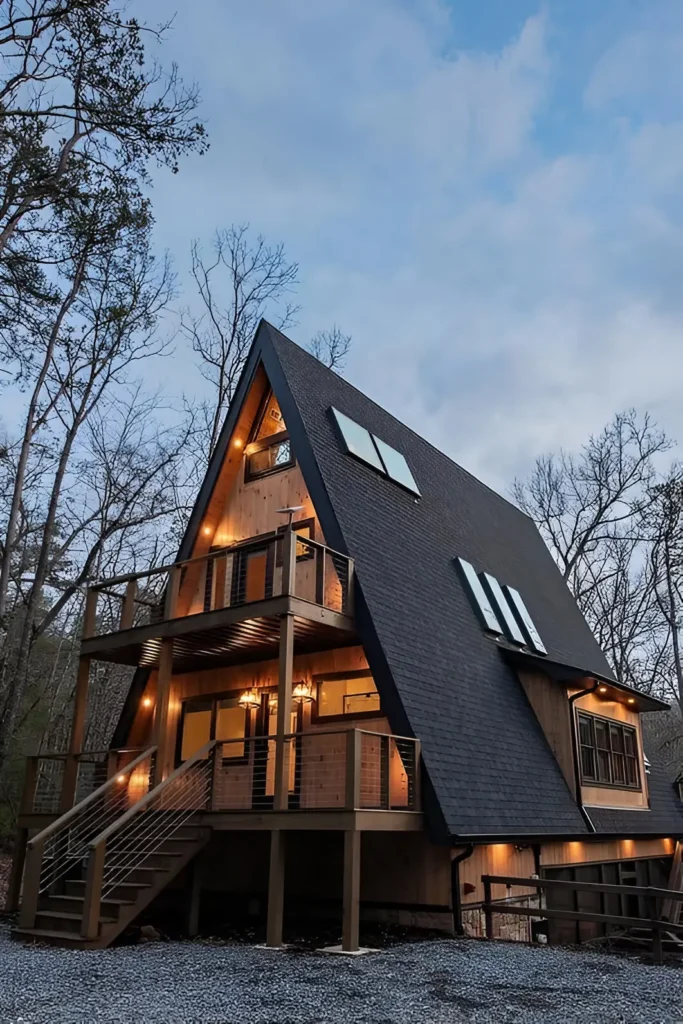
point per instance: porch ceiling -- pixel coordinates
(228, 644)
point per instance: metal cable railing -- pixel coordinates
(155, 820)
(68, 841)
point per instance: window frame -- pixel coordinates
(213, 699)
(254, 447)
(331, 677)
(610, 725)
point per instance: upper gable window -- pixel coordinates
(269, 420)
(377, 453)
(271, 455)
(609, 752)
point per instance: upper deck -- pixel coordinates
(224, 607)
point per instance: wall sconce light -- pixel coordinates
(250, 699)
(147, 702)
(272, 703)
(301, 694)
(238, 442)
(207, 531)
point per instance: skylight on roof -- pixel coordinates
(396, 466)
(358, 440)
(525, 620)
(375, 452)
(506, 614)
(481, 602)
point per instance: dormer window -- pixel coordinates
(609, 752)
(271, 455)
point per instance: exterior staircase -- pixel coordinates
(94, 870)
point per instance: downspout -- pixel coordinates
(575, 752)
(455, 887)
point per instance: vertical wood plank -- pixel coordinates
(128, 606)
(161, 736)
(90, 924)
(276, 889)
(284, 709)
(29, 901)
(353, 769)
(351, 897)
(17, 871)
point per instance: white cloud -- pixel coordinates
(504, 295)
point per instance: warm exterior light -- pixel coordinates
(238, 442)
(120, 778)
(301, 694)
(147, 702)
(631, 700)
(272, 703)
(250, 699)
(207, 531)
(602, 689)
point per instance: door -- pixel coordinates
(264, 754)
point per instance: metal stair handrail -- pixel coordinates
(129, 841)
(52, 853)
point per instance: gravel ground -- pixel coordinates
(420, 983)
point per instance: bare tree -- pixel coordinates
(331, 347)
(238, 282)
(664, 518)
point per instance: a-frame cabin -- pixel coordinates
(363, 683)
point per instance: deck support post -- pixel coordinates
(161, 738)
(276, 889)
(16, 872)
(351, 894)
(285, 676)
(194, 897)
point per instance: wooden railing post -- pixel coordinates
(161, 738)
(29, 899)
(90, 924)
(657, 951)
(349, 605)
(416, 802)
(384, 772)
(353, 769)
(172, 592)
(28, 792)
(288, 561)
(488, 915)
(128, 606)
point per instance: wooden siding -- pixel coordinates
(551, 707)
(561, 854)
(496, 859)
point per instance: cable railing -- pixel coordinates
(145, 832)
(245, 573)
(57, 851)
(45, 774)
(325, 769)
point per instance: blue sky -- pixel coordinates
(486, 195)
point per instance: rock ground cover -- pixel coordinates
(417, 983)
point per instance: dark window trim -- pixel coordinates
(330, 677)
(610, 723)
(263, 445)
(211, 700)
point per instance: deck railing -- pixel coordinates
(242, 574)
(45, 777)
(54, 853)
(326, 769)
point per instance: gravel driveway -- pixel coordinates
(420, 983)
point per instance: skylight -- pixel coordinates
(396, 466)
(525, 619)
(501, 605)
(375, 452)
(358, 440)
(481, 601)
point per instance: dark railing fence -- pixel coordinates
(226, 577)
(654, 898)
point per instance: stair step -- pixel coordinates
(52, 937)
(62, 920)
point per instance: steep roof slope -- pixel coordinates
(486, 756)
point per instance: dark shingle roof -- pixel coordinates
(490, 766)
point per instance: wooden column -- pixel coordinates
(161, 738)
(276, 889)
(286, 670)
(351, 897)
(17, 871)
(80, 709)
(194, 897)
